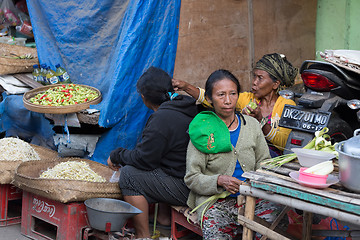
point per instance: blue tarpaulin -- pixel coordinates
(106, 44)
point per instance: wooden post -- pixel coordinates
(307, 225)
(249, 214)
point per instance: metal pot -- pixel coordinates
(106, 214)
(352, 145)
(349, 162)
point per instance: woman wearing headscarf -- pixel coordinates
(272, 73)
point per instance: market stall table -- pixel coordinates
(275, 185)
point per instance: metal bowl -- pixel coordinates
(107, 214)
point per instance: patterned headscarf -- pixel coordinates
(279, 67)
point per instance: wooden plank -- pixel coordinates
(310, 197)
(289, 182)
(247, 223)
(27, 80)
(345, 194)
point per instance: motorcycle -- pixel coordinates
(330, 100)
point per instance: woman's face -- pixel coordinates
(224, 98)
(263, 85)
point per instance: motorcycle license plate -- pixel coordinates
(295, 117)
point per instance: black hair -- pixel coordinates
(217, 76)
(154, 85)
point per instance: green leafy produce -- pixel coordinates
(319, 142)
(14, 56)
(63, 95)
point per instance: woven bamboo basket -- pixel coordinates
(7, 168)
(27, 178)
(9, 65)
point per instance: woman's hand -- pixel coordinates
(231, 184)
(256, 113)
(179, 85)
(112, 166)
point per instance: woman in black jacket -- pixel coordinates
(154, 170)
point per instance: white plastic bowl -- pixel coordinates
(310, 157)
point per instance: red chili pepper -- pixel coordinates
(75, 102)
(85, 99)
(63, 86)
(62, 100)
(43, 96)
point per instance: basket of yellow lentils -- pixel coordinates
(67, 179)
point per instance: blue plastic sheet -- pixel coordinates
(106, 44)
(17, 121)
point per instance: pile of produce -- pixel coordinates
(72, 170)
(319, 142)
(14, 56)
(67, 94)
(14, 149)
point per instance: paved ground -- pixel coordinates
(11, 232)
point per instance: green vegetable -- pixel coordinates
(208, 202)
(319, 142)
(63, 95)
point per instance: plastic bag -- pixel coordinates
(8, 13)
(21, 5)
(12, 16)
(25, 28)
(115, 177)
